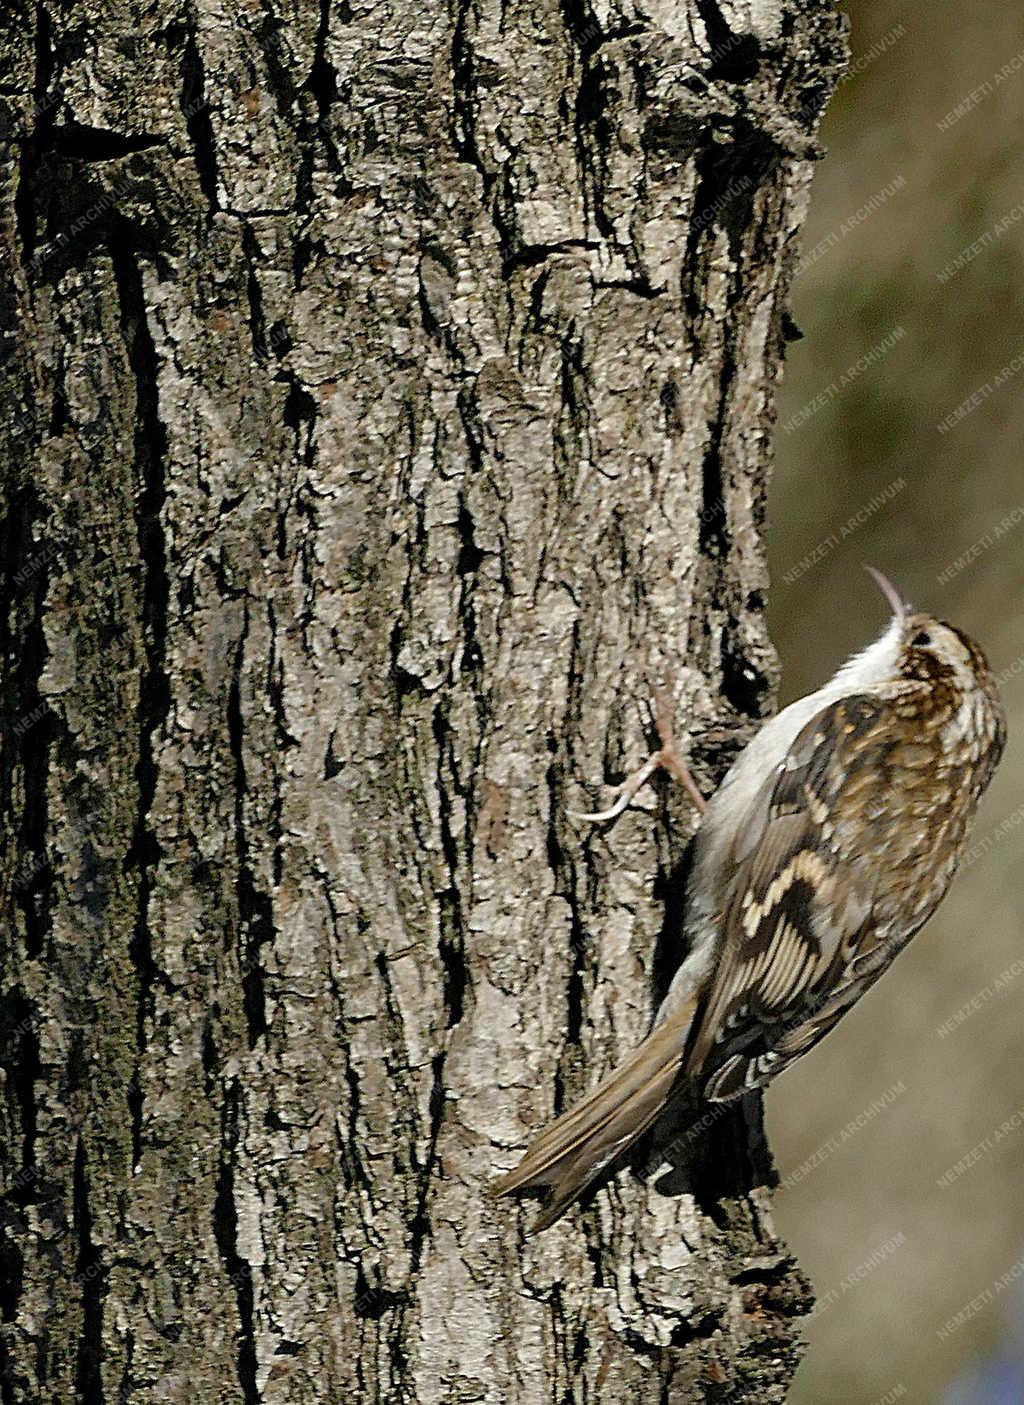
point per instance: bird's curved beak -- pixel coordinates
(900, 607)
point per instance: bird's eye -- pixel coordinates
(921, 639)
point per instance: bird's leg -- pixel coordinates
(668, 754)
(667, 757)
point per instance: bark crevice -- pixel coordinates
(154, 694)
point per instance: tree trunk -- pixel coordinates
(388, 402)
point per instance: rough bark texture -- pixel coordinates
(388, 399)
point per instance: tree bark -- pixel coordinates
(388, 398)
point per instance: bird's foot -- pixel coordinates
(667, 758)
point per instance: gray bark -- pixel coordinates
(387, 402)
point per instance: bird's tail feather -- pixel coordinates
(578, 1146)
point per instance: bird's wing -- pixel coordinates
(798, 911)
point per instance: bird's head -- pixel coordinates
(927, 649)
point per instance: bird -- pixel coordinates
(829, 843)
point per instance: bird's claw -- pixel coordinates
(667, 757)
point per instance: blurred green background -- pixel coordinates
(896, 1237)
